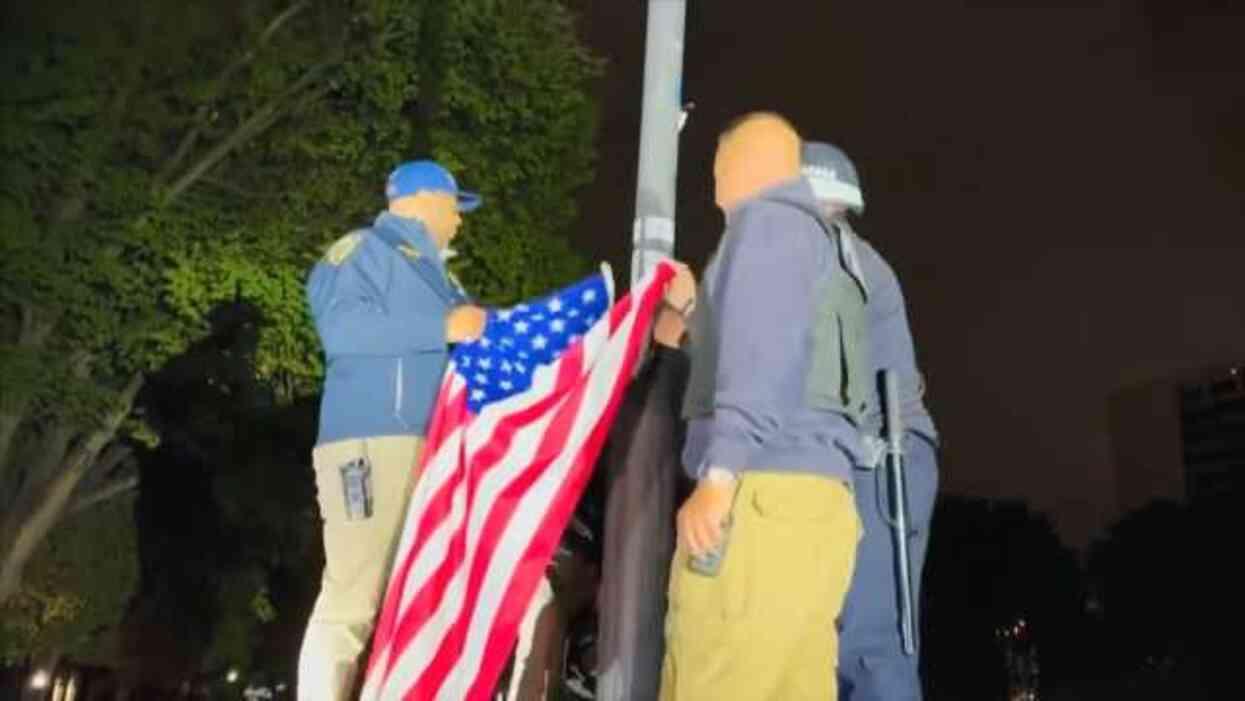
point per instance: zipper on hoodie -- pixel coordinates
(397, 396)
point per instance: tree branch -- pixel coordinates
(102, 470)
(111, 490)
(35, 328)
(253, 126)
(80, 364)
(86, 451)
(35, 331)
(226, 186)
(24, 528)
(200, 118)
(27, 312)
(54, 442)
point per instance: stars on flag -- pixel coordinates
(519, 340)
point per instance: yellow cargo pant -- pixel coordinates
(358, 559)
(764, 628)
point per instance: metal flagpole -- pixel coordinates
(630, 611)
(661, 118)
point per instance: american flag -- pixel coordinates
(519, 422)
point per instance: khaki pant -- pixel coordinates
(764, 628)
(358, 559)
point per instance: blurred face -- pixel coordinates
(759, 153)
(438, 211)
(728, 183)
(442, 218)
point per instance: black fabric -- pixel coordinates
(643, 482)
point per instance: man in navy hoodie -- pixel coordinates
(386, 310)
(777, 391)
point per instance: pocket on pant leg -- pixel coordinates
(327, 462)
(356, 553)
(719, 597)
(801, 525)
(691, 593)
(765, 543)
(699, 657)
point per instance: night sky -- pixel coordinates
(1058, 188)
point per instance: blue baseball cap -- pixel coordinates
(420, 176)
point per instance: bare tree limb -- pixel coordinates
(36, 327)
(113, 456)
(226, 186)
(252, 127)
(53, 445)
(200, 118)
(80, 364)
(86, 451)
(27, 312)
(35, 331)
(22, 530)
(309, 98)
(108, 491)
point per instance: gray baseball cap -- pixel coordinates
(832, 174)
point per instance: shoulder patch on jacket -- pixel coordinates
(340, 250)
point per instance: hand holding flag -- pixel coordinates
(519, 422)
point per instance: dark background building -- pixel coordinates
(1180, 438)
(1212, 421)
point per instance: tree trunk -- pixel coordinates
(45, 501)
(26, 528)
(9, 421)
(35, 330)
(9, 479)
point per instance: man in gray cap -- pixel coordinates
(872, 663)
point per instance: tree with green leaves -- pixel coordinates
(77, 587)
(160, 159)
(226, 513)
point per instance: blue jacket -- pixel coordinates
(760, 295)
(379, 298)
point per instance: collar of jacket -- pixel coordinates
(413, 233)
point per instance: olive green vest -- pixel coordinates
(838, 377)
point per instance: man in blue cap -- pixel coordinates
(872, 664)
(386, 310)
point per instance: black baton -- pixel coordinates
(899, 508)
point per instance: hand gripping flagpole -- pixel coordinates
(898, 501)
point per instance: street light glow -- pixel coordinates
(232, 676)
(40, 679)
